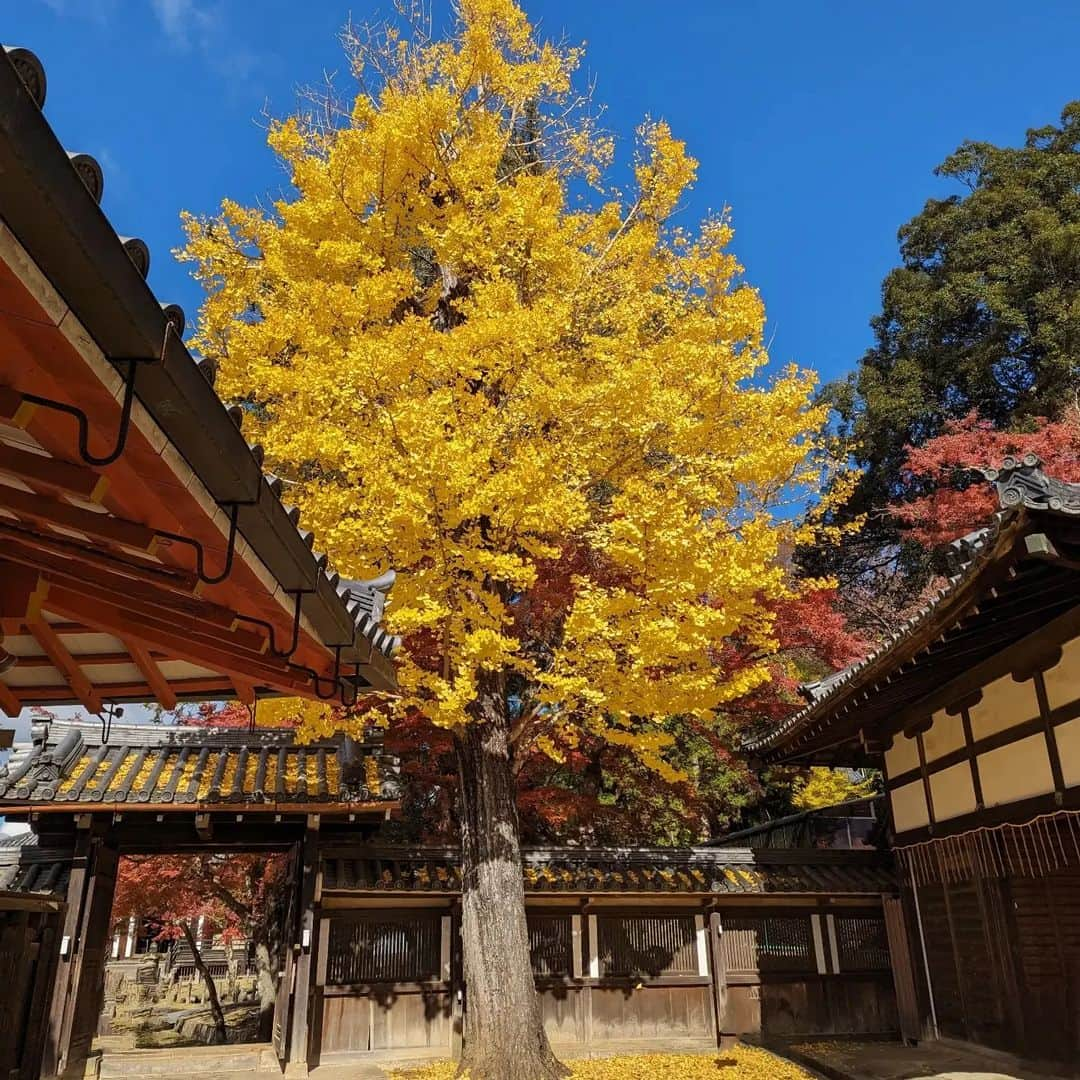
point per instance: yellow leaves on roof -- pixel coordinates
(740, 1063)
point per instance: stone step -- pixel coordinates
(202, 1062)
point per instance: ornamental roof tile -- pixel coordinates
(149, 766)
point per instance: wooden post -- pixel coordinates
(77, 994)
(725, 1038)
(457, 985)
(305, 950)
(900, 956)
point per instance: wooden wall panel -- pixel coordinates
(346, 1024)
(392, 1020)
(653, 1012)
(409, 1020)
(561, 1008)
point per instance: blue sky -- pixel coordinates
(818, 122)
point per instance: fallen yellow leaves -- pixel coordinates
(741, 1063)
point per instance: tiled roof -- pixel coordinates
(50, 204)
(151, 766)
(26, 867)
(1022, 487)
(627, 870)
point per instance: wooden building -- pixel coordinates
(972, 711)
(144, 553)
(634, 946)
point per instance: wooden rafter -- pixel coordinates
(98, 526)
(151, 673)
(65, 663)
(113, 659)
(245, 692)
(72, 550)
(37, 470)
(9, 703)
(182, 644)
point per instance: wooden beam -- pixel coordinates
(195, 648)
(170, 620)
(13, 408)
(152, 673)
(111, 659)
(21, 593)
(67, 549)
(42, 510)
(52, 473)
(9, 703)
(62, 660)
(245, 692)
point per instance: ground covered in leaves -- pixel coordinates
(741, 1063)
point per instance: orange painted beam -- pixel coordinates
(151, 673)
(9, 703)
(68, 550)
(45, 511)
(52, 473)
(74, 676)
(245, 692)
(184, 646)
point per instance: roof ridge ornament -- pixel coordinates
(1022, 482)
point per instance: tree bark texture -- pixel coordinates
(504, 1031)
(211, 989)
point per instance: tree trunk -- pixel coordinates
(211, 989)
(504, 1031)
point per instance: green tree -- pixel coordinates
(982, 315)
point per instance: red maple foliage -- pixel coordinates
(944, 499)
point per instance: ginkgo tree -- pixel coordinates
(477, 360)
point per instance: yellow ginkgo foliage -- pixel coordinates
(477, 360)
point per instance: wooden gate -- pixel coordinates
(28, 953)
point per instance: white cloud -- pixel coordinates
(185, 23)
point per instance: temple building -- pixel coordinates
(972, 712)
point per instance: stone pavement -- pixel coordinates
(943, 1060)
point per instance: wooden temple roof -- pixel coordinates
(702, 871)
(144, 553)
(76, 767)
(1014, 583)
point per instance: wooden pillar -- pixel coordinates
(725, 1037)
(457, 985)
(83, 948)
(305, 951)
(902, 961)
